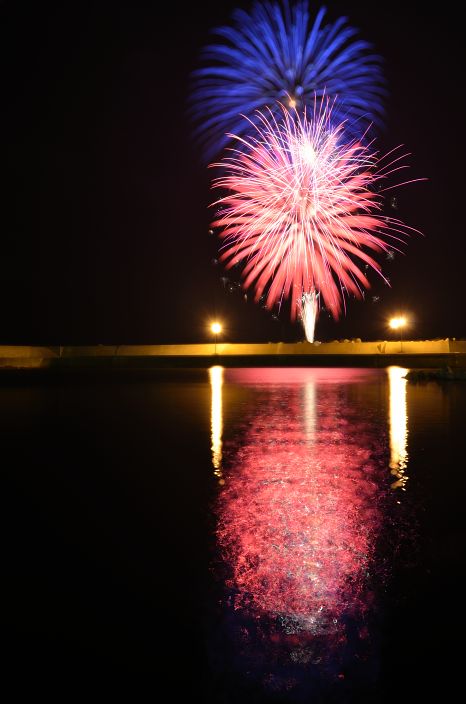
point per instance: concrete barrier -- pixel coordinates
(226, 349)
(100, 355)
(14, 356)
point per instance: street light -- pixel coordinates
(216, 329)
(398, 324)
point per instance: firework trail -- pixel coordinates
(301, 211)
(309, 313)
(278, 52)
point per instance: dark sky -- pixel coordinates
(104, 198)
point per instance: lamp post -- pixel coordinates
(398, 324)
(216, 329)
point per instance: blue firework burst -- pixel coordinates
(276, 52)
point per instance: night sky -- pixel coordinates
(104, 217)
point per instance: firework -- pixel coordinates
(301, 212)
(278, 52)
(309, 313)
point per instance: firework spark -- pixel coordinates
(278, 52)
(302, 211)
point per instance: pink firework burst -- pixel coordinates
(302, 213)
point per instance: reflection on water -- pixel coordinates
(216, 416)
(398, 426)
(298, 519)
(310, 411)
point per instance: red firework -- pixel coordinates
(302, 211)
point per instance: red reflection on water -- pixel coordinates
(298, 375)
(299, 512)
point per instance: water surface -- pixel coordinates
(269, 535)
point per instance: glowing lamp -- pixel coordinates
(398, 324)
(216, 329)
